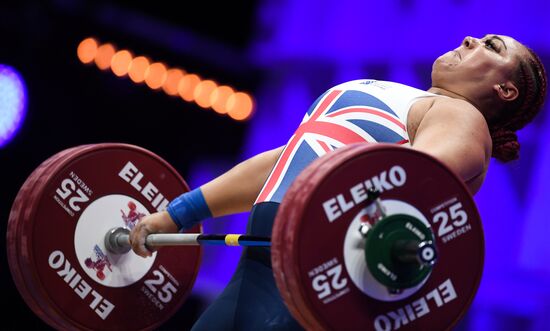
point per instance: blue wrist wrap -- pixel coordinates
(189, 209)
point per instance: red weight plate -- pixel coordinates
(326, 272)
(13, 236)
(303, 186)
(35, 290)
(28, 281)
(280, 250)
(278, 256)
(25, 284)
(75, 204)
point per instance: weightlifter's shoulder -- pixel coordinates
(461, 113)
(456, 133)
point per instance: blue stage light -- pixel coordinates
(13, 101)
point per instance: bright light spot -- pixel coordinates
(239, 106)
(219, 97)
(13, 103)
(104, 55)
(120, 63)
(155, 75)
(186, 87)
(173, 77)
(203, 91)
(87, 50)
(137, 69)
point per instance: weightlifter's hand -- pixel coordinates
(160, 222)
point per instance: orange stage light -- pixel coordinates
(173, 77)
(104, 55)
(120, 63)
(219, 97)
(203, 91)
(239, 106)
(87, 50)
(155, 75)
(137, 69)
(173, 81)
(186, 87)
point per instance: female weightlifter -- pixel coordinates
(482, 93)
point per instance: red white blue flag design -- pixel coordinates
(336, 118)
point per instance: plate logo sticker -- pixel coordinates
(132, 216)
(100, 263)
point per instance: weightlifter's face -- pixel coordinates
(478, 63)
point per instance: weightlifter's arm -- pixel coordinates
(236, 190)
(456, 133)
(233, 192)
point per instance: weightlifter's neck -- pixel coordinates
(451, 94)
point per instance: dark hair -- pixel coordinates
(530, 78)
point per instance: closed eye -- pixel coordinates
(490, 43)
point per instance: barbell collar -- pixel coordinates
(415, 251)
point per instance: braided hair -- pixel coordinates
(530, 78)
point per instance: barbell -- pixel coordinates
(376, 237)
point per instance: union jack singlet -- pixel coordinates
(356, 111)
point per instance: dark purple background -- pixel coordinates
(285, 53)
